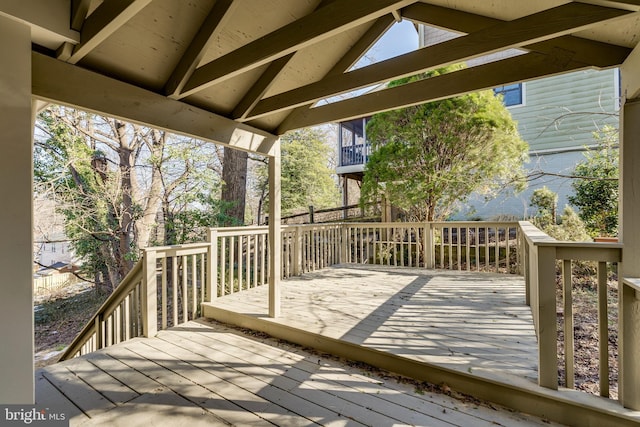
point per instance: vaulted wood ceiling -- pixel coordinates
(230, 69)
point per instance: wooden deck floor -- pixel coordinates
(203, 373)
(471, 322)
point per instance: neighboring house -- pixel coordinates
(556, 116)
(53, 249)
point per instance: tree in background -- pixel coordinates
(110, 179)
(545, 201)
(596, 189)
(234, 191)
(569, 227)
(306, 176)
(429, 158)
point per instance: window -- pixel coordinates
(512, 94)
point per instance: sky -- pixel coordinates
(401, 38)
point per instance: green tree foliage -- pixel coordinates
(545, 201)
(569, 227)
(596, 193)
(306, 176)
(431, 157)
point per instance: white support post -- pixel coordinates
(629, 304)
(16, 192)
(212, 266)
(275, 235)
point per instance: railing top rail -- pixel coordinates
(633, 282)
(475, 223)
(185, 246)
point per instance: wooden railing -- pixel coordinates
(167, 286)
(118, 319)
(540, 256)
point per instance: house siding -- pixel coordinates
(561, 113)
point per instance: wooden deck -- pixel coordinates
(471, 322)
(203, 373)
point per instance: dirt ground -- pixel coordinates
(58, 318)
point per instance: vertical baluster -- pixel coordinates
(450, 246)
(203, 278)
(459, 247)
(567, 299)
(232, 249)
(467, 247)
(263, 259)
(163, 292)
(184, 279)
(127, 317)
(194, 286)
(174, 288)
(487, 254)
(507, 249)
(255, 253)
(239, 274)
(603, 329)
(223, 266)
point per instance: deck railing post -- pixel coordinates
(546, 314)
(149, 294)
(344, 244)
(297, 251)
(211, 289)
(429, 253)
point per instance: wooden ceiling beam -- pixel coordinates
(259, 88)
(104, 21)
(512, 70)
(324, 23)
(59, 82)
(591, 52)
(197, 48)
(529, 29)
(79, 11)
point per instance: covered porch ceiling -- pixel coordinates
(241, 72)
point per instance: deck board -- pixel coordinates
(205, 373)
(472, 322)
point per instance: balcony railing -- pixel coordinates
(357, 154)
(168, 284)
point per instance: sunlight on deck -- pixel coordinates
(472, 322)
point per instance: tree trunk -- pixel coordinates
(153, 200)
(234, 191)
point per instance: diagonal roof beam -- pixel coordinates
(319, 25)
(262, 85)
(103, 22)
(529, 29)
(79, 11)
(63, 83)
(591, 52)
(364, 43)
(196, 50)
(516, 69)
